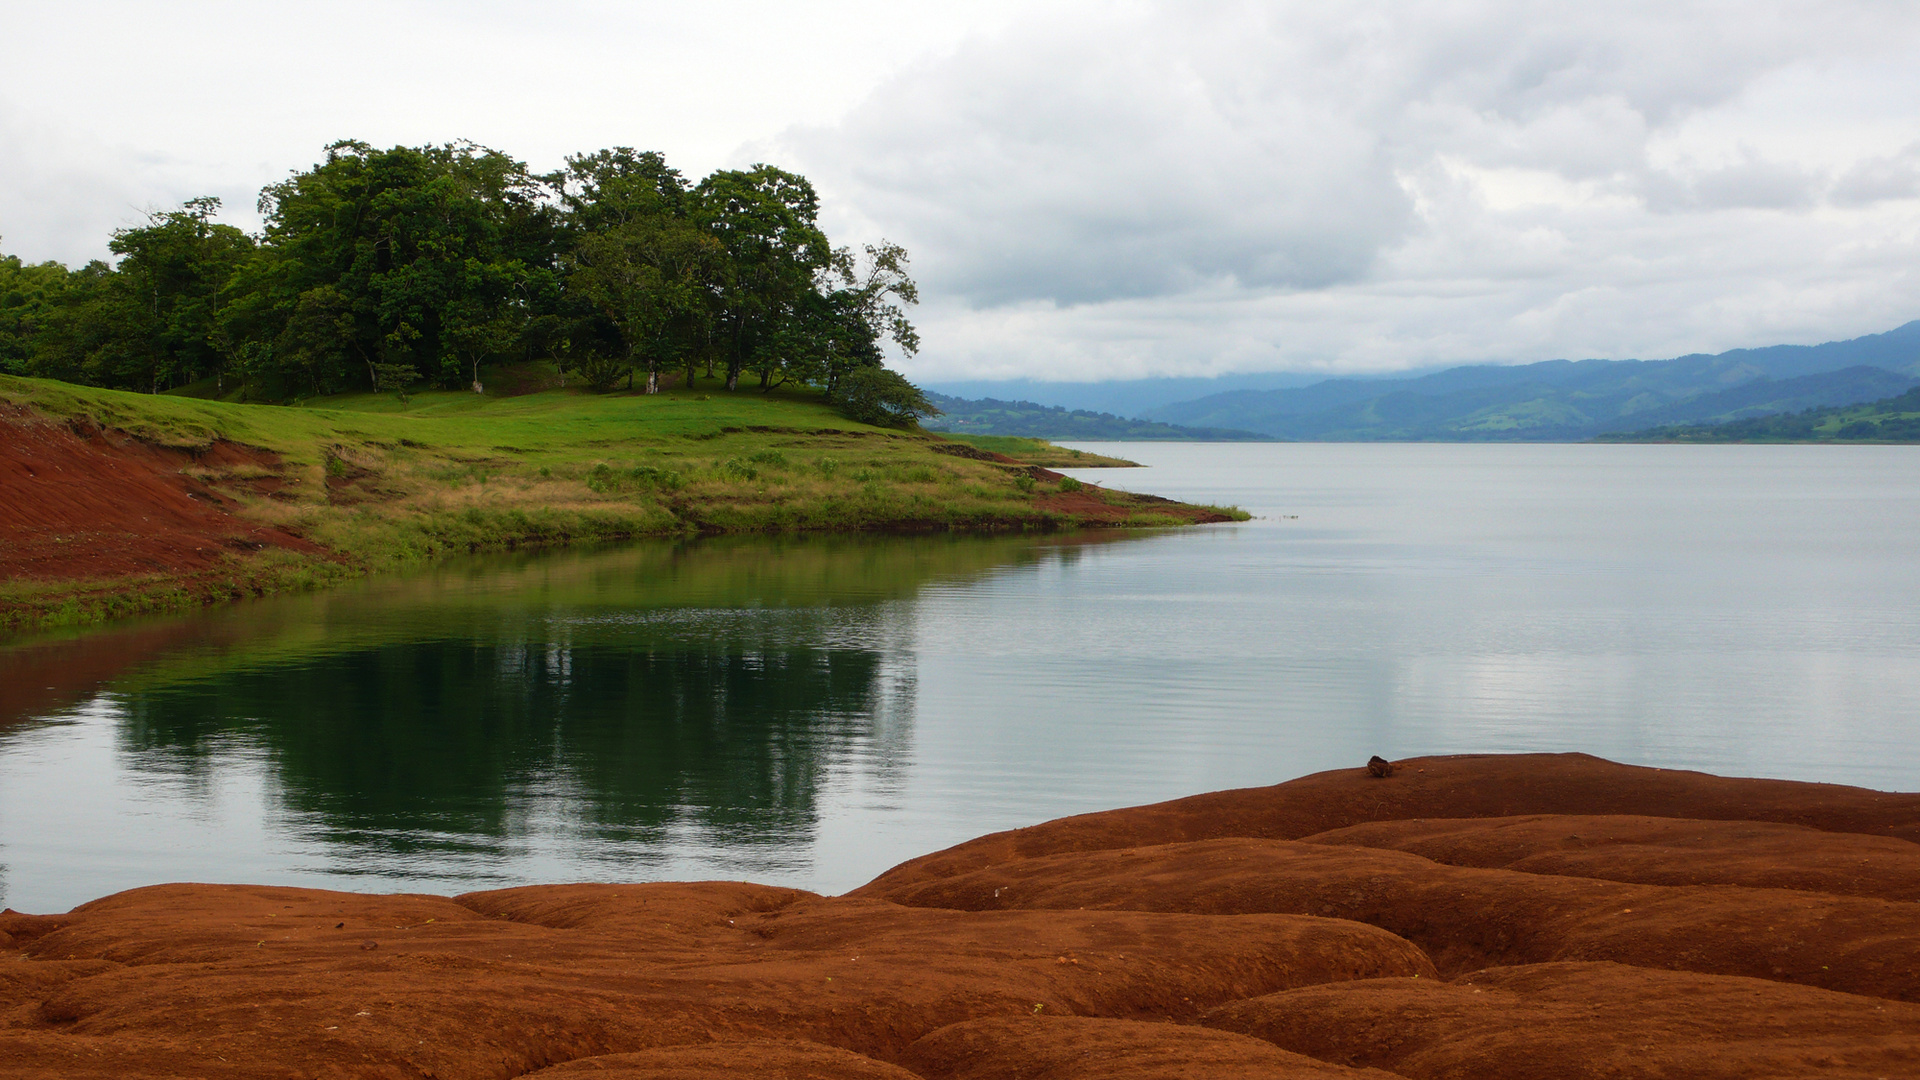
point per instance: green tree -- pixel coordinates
(650, 278)
(635, 262)
(317, 345)
(432, 248)
(862, 302)
(149, 323)
(29, 294)
(881, 396)
(380, 267)
(109, 332)
(765, 220)
(171, 274)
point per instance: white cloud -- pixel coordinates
(1872, 180)
(1101, 190)
(1373, 185)
(111, 106)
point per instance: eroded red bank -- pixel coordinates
(86, 503)
(1483, 916)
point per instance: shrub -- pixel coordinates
(655, 476)
(1068, 483)
(735, 469)
(600, 478)
(882, 397)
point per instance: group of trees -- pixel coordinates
(384, 269)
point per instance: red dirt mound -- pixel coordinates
(1461, 786)
(1235, 955)
(1587, 1022)
(1063, 1048)
(1658, 851)
(498, 984)
(1095, 505)
(765, 1059)
(85, 503)
(1470, 918)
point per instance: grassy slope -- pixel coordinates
(387, 484)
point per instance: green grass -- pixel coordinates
(386, 484)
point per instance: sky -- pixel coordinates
(1096, 191)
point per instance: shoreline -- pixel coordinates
(130, 504)
(1506, 915)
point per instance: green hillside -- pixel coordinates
(1891, 420)
(991, 416)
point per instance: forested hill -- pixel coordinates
(990, 416)
(1560, 400)
(410, 267)
(1890, 420)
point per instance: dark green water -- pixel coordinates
(813, 711)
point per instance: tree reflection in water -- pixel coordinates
(447, 742)
(705, 689)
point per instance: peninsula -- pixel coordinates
(120, 503)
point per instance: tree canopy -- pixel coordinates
(388, 269)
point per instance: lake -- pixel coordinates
(811, 711)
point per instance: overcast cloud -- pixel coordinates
(1105, 190)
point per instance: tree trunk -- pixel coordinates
(653, 376)
(477, 388)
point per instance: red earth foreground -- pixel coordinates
(1549, 916)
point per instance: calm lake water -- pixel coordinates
(810, 712)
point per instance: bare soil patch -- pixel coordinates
(86, 503)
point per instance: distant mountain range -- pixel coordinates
(1555, 400)
(1123, 397)
(1894, 419)
(990, 416)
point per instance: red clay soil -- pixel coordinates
(1096, 505)
(79, 502)
(1085, 1048)
(1657, 851)
(1456, 786)
(1578, 1021)
(1188, 940)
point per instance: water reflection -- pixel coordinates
(396, 744)
(570, 707)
